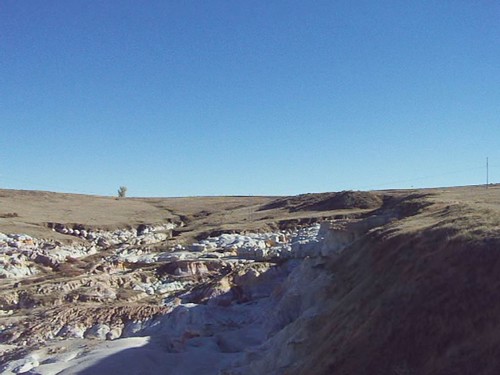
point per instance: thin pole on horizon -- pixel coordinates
(487, 173)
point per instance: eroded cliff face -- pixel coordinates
(417, 295)
(305, 299)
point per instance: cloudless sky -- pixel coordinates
(180, 98)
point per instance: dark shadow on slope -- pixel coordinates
(327, 201)
(187, 342)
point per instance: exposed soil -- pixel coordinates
(327, 201)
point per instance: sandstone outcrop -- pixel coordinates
(235, 288)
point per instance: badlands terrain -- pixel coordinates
(382, 282)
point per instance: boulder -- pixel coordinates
(102, 242)
(131, 328)
(197, 247)
(114, 333)
(97, 332)
(72, 331)
(142, 229)
(26, 365)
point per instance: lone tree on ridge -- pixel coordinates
(122, 191)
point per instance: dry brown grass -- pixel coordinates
(34, 209)
(419, 295)
(201, 215)
(474, 209)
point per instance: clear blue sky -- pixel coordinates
(180, 98)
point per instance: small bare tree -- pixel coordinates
(122, 191)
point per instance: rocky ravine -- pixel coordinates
(384, 294)
(210, 306)
(219, 297)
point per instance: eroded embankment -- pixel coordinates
(416, 296)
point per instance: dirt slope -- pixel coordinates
(419, 296)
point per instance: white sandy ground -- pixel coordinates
(77, 355)
(137, 355)
(204, 354)
(193, 339)
(153, 359)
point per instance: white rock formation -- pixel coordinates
(249, 319)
